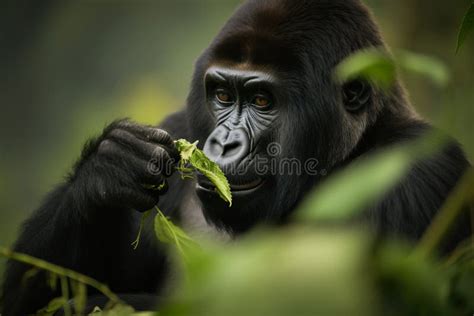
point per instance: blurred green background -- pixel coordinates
(70, 67)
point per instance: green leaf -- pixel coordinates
(377, 67)
(96, 309)
(186, 149)
(466, 27)
(79, 291)
(362, 183)
(168, 233)
(430, 67)
(199, 161)
(119, 310)
(461, 292)
(52, 280)
(416, 284)
(355, 188)
(370, 64)
(57, 272)
(292, 271)
(212, 171)
(30, 274)
(53, 306)
(65, 292)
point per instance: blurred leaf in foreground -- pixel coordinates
(362, 183)
(410, 285)
(288, 272)
(53, 306)
(355, 188)
(117, 310)
(379, 68)
(370, 64)
(466, 27)
(427, 66)
(461, 296)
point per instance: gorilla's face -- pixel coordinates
(244, 105)
(264, 146)
(265, 105)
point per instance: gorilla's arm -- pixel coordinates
(88, 222)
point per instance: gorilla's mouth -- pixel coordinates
(248, 187)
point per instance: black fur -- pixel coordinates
(88, 222)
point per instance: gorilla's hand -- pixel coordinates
(126, 166)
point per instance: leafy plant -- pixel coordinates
(466, 27)
(190, 154)
(427, 66)
(67, 278)
(192, 160)
(371, 64)
(380, 68)
(169, 233)
(362, 183)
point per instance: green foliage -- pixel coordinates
(53, 306)
(454, 205)
(198, 160)
(426, 66)
(289, 272)
(65, 276)
(379, 68)
(118, 310)
(461, 296)
(357, 187)
(371, 64)
(408, 284)
(169, 233)
(79, 291)
(466, 27)
(165, 230)
(360, 185)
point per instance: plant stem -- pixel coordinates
(65, 291)
(447, 215)
(58, 270)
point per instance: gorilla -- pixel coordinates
(266, 79)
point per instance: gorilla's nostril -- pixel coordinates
(231, 149)
(215, 149)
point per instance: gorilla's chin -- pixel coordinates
(248, 205)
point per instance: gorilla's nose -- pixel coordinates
(227, 147)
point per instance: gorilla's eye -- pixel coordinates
(261, 101)
(224, 96)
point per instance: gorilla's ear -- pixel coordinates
(356, 94)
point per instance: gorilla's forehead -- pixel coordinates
(286, 32)
(256, 49)
(245, 72)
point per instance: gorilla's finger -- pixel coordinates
(137, 199)
(151, 169)
(142, 148)
(147, 133)
(152, 134)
